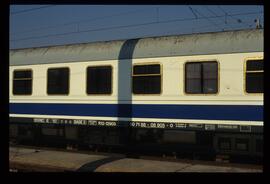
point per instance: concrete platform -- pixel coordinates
(25, 159)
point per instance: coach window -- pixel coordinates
(58, 81)
(22, 82)
(99, 80)
(146, 79)
(201, 77)
(254, 76)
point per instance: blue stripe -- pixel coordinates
(207, 112)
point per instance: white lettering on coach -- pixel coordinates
(39, 120)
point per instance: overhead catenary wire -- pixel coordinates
(208, 19)
(192, 11)
(31, 9)
(128, 26)
(212, 12)
(238, 20)
(84, 21)
(200, 27)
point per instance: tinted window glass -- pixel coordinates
(193, 70)
(146, 79)
(22, 74)
(146, 69)
(201, 77)
(146, 85)
(22, 82)
(254, 76)
(254, 82)
(193, 86)
(210, 75)
(99, 80)
(193, 78)
(58, 81)
(253, 65)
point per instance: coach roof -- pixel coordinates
(250, 40)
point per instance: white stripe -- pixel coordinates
(163, 102)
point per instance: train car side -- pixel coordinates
(229, 120)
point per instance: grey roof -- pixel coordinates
(250, 40)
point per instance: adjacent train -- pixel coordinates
(204, 90)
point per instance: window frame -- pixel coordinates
(160, 74)
(245, 71)
(112, 73)
(47, 81)
(218, 78)
(13, 75)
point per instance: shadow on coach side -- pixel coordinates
(125, 82)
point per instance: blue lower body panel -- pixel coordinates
(205, 112)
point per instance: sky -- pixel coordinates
(45, 25)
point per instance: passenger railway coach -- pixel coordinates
(200, 89)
